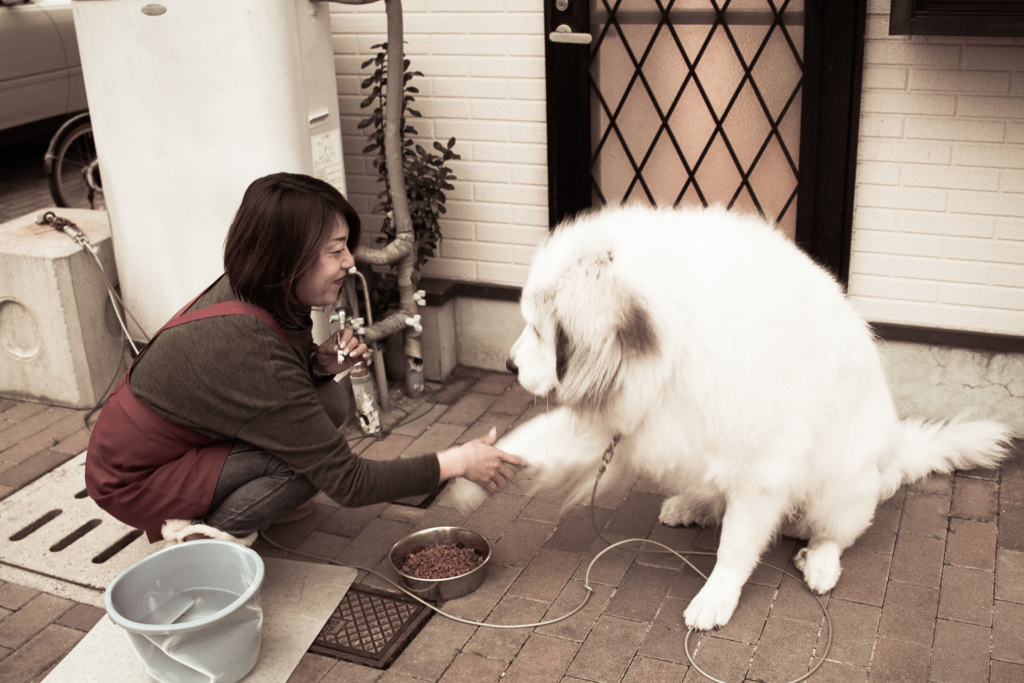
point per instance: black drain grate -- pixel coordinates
(370, 627)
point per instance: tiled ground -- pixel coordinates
(933, 592)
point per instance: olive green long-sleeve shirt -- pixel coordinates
(232, 377)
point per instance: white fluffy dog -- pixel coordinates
(734, 372)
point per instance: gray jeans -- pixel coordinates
(256, 488)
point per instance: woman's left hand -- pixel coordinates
(480, 462)
(342, 345)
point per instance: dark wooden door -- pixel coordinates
(752, 104)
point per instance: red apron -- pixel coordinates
(144, 470)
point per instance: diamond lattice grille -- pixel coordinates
(698, 102)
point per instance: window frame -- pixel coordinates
(996, 18)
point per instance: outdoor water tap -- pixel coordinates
(67, 227)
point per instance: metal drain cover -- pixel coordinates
(52, 530)
(370, 627)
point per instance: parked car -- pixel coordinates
(40, 70)
(42, 93)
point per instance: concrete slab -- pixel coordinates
(940, 382)
(297, 599)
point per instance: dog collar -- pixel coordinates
(609, 453)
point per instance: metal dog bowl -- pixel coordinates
(453, 586)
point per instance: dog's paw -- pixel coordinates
(466, 496)
(711, 608)
(677, 511)
(820, 566)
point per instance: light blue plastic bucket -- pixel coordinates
(192, 611)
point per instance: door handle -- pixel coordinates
(564, 34)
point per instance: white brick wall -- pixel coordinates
(483, 65)
(939, 221)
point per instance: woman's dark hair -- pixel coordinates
(276, 237)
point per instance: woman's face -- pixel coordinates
(321, 283)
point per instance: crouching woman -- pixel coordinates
(227, 421)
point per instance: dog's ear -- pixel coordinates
(587, 373)
(589, 362)
(636, 333)
(600, 324)
(586, 350)
(563, 351)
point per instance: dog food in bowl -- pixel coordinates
(441, 561)
(453, 560)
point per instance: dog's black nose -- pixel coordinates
(511, 367)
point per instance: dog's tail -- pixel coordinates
(921, 448)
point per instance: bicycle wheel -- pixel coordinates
(73, 169)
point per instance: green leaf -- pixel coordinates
(424, 172)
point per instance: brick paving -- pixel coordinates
(933, 592)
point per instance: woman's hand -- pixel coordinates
(480, 462)
(344, 345)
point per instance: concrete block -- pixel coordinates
(939, 382)
(437, 341)
(486, 330)
(59, 341)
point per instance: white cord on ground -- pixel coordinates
(586, 582)
(420, 600)
(590, 591)
(586, 598)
